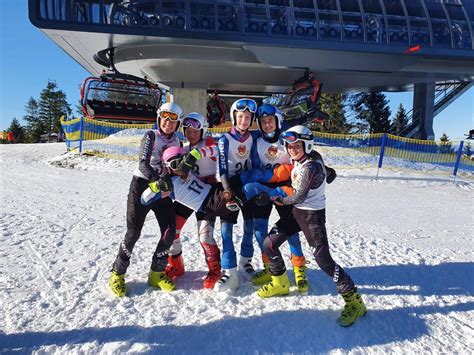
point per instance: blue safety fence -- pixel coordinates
(339, 150)
(389, 151)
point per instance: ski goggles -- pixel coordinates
(174, 163)
(246, 104)
(172, 116)
(266, 110)
(291, 137)
(190, 122)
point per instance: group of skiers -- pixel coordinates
(245, 172)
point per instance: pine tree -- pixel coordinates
(334, 106)
(400, 122)
(372, 112)
(468, 149)
(52, 105)
(446, 145)
(17, 130)
(34, 127)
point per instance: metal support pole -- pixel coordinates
(382, 151)
(458, 159)
(81, 128)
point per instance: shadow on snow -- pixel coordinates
(291, 331)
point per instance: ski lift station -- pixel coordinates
(262, 46)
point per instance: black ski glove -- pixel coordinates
(165, 184)
(330, 174)
(187, 164)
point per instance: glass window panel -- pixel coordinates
(202, 16)
(255, 20)
(420, 33)
(279, 2)
(394, 7)
(173, 15)
(469, 6)
(415, 8)
(305, 23)
(305, 4)
(350, 5)
(353, 29)
(398, 30)
(371, 7)
(375, 25)
(95, 13)
(145, 13)
(279, 21)
(455, 12)
(435, 9)
(327, 5)
(329, 27)
(228, 17)
(441, 35)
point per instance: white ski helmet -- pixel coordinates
(243, 105)
(299, 133)
(197, 121)
(269, 110)
(172, 110)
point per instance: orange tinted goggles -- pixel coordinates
(169, 116)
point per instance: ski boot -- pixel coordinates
(117, 284)
(161, 280)
(246, 269)
(353, 309)
(262, 277)
(279, 286)
(300, 279)
(175, 267)
(228, 281)
(213, 275)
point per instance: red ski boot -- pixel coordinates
(175, 267)
(213, 275)
(213, 261)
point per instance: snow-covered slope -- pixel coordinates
(405, 239)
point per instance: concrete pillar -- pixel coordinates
(423, 104)
(191, 99)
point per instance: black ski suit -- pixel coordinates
(151, 148)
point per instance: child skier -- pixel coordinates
(147, 175)
(268, 152)
(195, 128)
(308, 178)
(186, 188)
(234, 157)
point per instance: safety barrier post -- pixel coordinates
(458, 158)
(382, 151)
(81, 128)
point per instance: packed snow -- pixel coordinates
(405, 238)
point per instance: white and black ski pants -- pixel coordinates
(136, 214)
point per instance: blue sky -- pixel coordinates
(33, 59)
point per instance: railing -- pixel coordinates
(408, 22)
(445, 92)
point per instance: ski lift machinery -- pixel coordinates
(114, 96)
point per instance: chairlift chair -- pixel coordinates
(120, 97)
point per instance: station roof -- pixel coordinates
(256, 62)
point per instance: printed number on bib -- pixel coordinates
(194, 186)
(241, 167)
